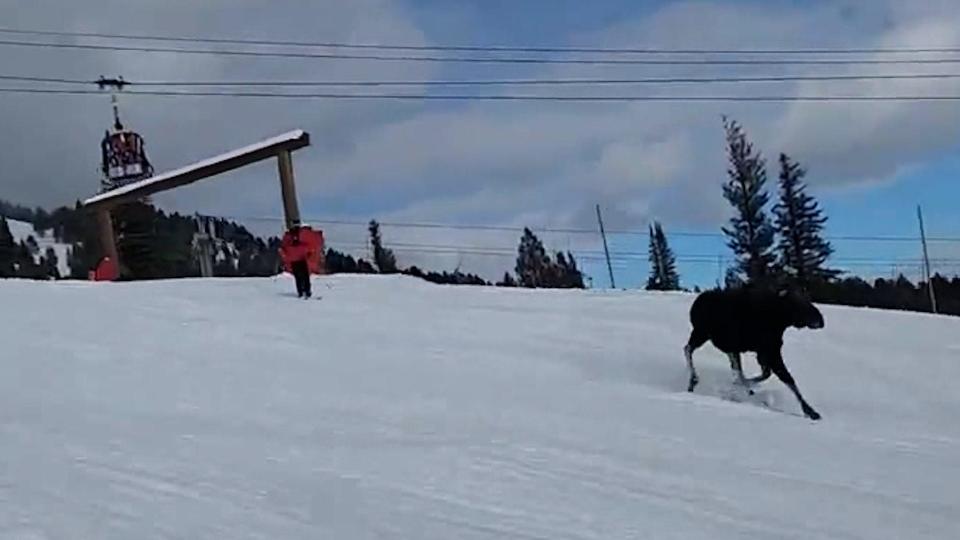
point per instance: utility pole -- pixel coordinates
(926, 263)
(606, 250)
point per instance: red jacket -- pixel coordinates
(310, 249)
(295, 252)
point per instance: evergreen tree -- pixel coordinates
(507, 281)
(568, 275)
(24, 265)
(663, 264)
(8, 250)
(384, 259)
(49, 264)
(32, 245)
(535, 269)
(533, 263)
(732, 279)
(751, 234)
(799, 220)
(41, 221)
(136, 225)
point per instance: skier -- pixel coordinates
(296, 253)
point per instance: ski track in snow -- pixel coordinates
(392, 408)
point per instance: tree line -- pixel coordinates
(156, 245)
(534, 267)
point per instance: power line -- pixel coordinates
(25, 78)
(486, 60)
(509, 82)
(623, 257)
(628, 254)
(555, 230)
(497, 97)
(485, 48)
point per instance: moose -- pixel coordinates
(751, 319)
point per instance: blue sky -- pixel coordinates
(509, 164)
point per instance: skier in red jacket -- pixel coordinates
(296, 253)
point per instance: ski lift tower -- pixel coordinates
(123, 157)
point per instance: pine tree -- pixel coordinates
(663, 264)
(8, 249)
(568, 276)
(32, 245)
(751, 235)
(800, 220)
(50, 261)
(384, 259)
(25, 266)
(507, 281)
(137, 240)
(533, 263)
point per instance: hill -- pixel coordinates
(394, 408)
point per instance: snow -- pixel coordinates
(392, 408)
(279, 139)
(21, 230)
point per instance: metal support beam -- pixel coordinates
(291, 210)
(108, 242)
(198, 171)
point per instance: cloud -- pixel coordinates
(857, 142)
(53, 142)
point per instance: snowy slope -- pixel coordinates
(392, 408)
(21, 230)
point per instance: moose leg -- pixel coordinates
(776, 364)
(697, 339)
(764, 375)
(737, 368)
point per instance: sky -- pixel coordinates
(537, 164)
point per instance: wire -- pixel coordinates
(24, 78)
(484, 60)
(484, 48)
(504, 228)
(625, 257)
(634, 254)
(510, 82)
(495, 97)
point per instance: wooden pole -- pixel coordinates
(108, 242)
(291, 211)
(603, 234)
(926, 263)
